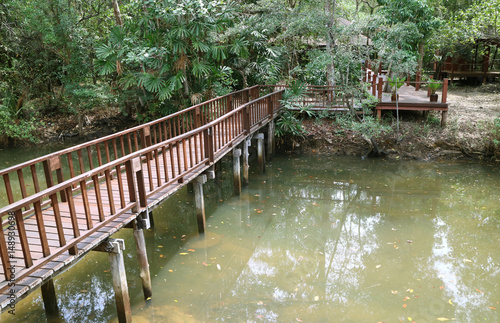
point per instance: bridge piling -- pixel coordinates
(49, 298)
(114, 248)
(270, 140)
(236, 171)
(200, 202)
(142, 256)
(261, 161)
(246, 143)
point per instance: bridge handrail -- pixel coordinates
(148, 133)
(234, 124)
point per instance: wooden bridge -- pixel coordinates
(65, 204)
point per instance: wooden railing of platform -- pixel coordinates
(138, 163)
(316, 97)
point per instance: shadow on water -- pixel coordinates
(313, 240)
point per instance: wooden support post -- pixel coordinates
(380, 88)
(374, 84)
(236, 171)
(200, 202)
(151, 219)
(114, 248)
(270, 140)
(142, 256)
(246, 143)
(260, 152)
(444, 116)
(49, 298)
(444, 95)
(210, 172)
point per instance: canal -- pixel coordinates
(314, 239)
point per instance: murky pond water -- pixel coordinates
(312, 240)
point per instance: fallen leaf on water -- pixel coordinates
(406, 298)
(218, 267)
(441, 287)
(316, 298)
(378, 266)
(442, 319)
(450, 302)
(467, 260)
(492, 308)
(205, 264)
(409, 290)
(404, 305)
(315, 204)
(183, 253)
(192, 250)
(160, 246)
(409, 318)
(298, 320)
(256, 195)
(394, 292)
(259, 211)
(161, 256)
(170, 270)
(479, 291)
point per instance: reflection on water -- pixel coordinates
(312, 240)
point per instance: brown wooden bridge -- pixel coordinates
(65, 204)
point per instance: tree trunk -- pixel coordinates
(330, 41)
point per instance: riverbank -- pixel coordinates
(472, 131)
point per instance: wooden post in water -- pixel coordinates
(142, 256)
(236, 171)
(270, 140)
(260, 152)
(114, 248)
(49, 298)
(246, 143)
(200, 202)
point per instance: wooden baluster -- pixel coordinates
(4, 255)
(80, 161)
(8, 188)
(89, 156)
(157, 164)
(34, 176)
(74, 220)
(374, 84)
(49, 165)
(172, 163)
(41, 229)
(380, 88)
(136, 143)
(165, 168)
(178, 157)
(115, 149)
(122, 146)
(86, 206)
(120, 185)
(444, 96)
(57, 219)
(129, 142)
(97, 190)
(184, 150)
(130, 168)
(109, 188)
(70, 164)
(22, 185)
(99, 157)
(23, 238)
(106, 150)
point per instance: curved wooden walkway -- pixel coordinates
(91, 191)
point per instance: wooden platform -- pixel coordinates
(412, 100)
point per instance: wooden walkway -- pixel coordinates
(91, 191)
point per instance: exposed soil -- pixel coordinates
(469, 133)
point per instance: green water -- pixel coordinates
(312, 240)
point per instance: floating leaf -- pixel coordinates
(184, 253)
(394, 292)
(316, 298)
(450, 302)
(170, 270)
(467, 260)
(160, 246)
(442, 319)
(404, 305)
(218, 267)
(409, 290)
(479, 291)
(315, 204)
(409, 318)
(378, 266)
(492, 308)
(192, 250)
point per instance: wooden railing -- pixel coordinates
(136, 175)
(315, 96)
(67, 163)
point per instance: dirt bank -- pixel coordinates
(471, 131)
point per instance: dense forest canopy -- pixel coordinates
(151, 58)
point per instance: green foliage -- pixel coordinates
(368, 127)
(396, 83)
(290, 120)
(434, 86)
